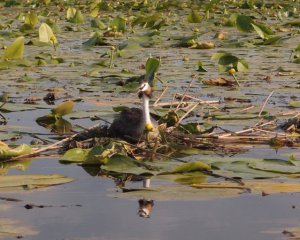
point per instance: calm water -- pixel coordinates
(102, 217)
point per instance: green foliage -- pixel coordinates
(194, 17)
(244, 23)
(78, 18)
(191, 167)
(15, 50)
(46, 34)
(118, 24)
(95, 40)
(227, 61)
(152, 66)
(155, 21)
(6, 152)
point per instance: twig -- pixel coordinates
(49, 147)
(245, 130)
(200, 100)
(182, 99)
(158, 99)
(171, 104)
(267, 99)
(190, 110)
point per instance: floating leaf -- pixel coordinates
(294, 104)
(15, 50)
(194, 17)
(74, 155)
(27, 182)
(218, 82)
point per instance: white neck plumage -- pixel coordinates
(146, 111)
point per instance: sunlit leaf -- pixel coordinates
(63, 109)
(74, 155)
(31, 19)
(7, 152)
(15, 50)
(191, 167)
(71, 12)
(46, 34)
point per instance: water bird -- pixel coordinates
(132, 123)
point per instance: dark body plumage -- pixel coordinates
(129, 125)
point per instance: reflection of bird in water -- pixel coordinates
(132, 122)
(145, 208)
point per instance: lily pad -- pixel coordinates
(27, 182)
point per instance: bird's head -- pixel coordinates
(144, 90)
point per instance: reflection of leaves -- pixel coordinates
(20, 165)
(15, 50)
(13, 229)
(55, 121)
(59, 125)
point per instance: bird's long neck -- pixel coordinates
(146, 111)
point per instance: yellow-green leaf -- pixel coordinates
(63, 109)
(7, 152)
(191, 167)
(46, 34)
(15, 50)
